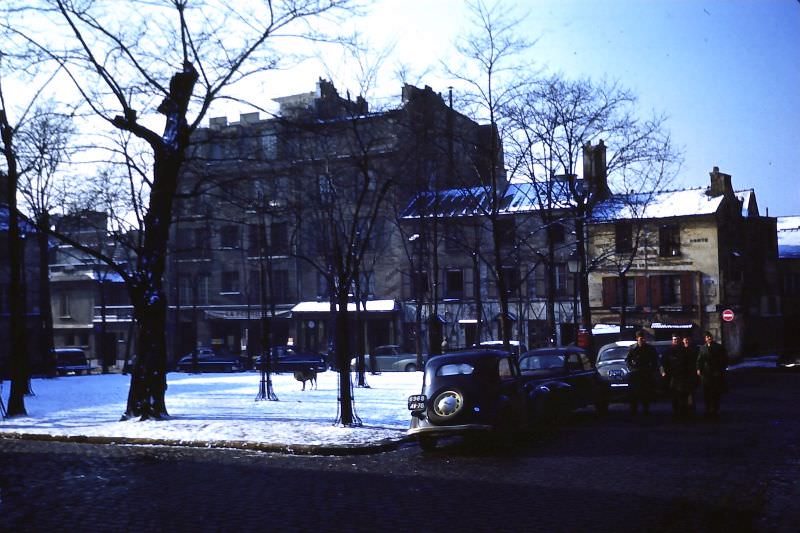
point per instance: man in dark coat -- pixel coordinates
(712, 360)
(679, 369)
(642, 362)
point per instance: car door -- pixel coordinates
(579, 379)
(511, 388)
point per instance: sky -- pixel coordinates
(219, 408)
(725, 72)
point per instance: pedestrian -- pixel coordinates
(712, 362)
(679, 372)
(642, 362)
(690, 355)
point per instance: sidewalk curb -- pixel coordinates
(289, 449)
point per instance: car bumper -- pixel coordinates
(443, 431)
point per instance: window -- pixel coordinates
(506, 230)
(505, 368)
(202, 288)
(562, 285)
(202, 241)
(669, 240)
(64, 306)
(555, 233)
(454, 284)
(280, 285)
(623, 241)
(670, 290)
(230, 281)
(185, 292)
(279, 238)
(268, 145)
(253, 241)
(511, 275)
(419, 283)
(229, 236)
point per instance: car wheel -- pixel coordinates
(411, 367)
(427, 443)
(447, 406)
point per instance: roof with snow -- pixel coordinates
(789, 237)
(666, 204)
(472, 201)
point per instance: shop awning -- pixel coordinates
(236, 314)
(661, 325)
(372, 306)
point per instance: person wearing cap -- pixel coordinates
(642, 362)
(712, 362)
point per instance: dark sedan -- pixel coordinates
(613, 369)
(208, 361)
(289, 359)
(474, 391)
(564, 378)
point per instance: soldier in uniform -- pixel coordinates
(679, 369)
(712, 360)
(642, 362)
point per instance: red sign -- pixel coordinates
(727, 315)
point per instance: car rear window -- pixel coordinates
(541, 362)
(617, 352)
(455, 369)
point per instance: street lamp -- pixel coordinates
(573, 265)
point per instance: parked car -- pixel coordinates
(72, 361)
(209, 361)
(467, 392)
(613, 369)
(516, 347)
(568, 375)
(392, 358)
(289, 359)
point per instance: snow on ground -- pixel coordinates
(220, 407)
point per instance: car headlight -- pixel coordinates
(448, 403)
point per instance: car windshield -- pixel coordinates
(613, 354)
(541, 362)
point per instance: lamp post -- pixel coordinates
(573, 266)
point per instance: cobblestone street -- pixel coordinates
(618, 473)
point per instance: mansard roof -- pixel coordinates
(475, 201)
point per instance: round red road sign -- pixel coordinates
(727, 315)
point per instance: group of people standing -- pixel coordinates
(683, 365)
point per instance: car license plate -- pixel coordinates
(417, 402)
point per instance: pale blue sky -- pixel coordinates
(726, 72)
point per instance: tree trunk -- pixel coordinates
(18, 360)
(343, 359)
(45, 304)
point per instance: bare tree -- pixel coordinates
(567, 124)
(131, 60)
(44, 147)
(492, 72)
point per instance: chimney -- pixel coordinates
(720, 183)
(594, 168)
(218, 122)
(249, 118)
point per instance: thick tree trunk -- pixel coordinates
(146, 398)
(18, 360)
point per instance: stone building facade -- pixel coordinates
(677, 260)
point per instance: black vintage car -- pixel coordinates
(468, 392)
(563, 378)
(287, 358)
(207, 360)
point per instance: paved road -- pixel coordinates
(738, 473)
